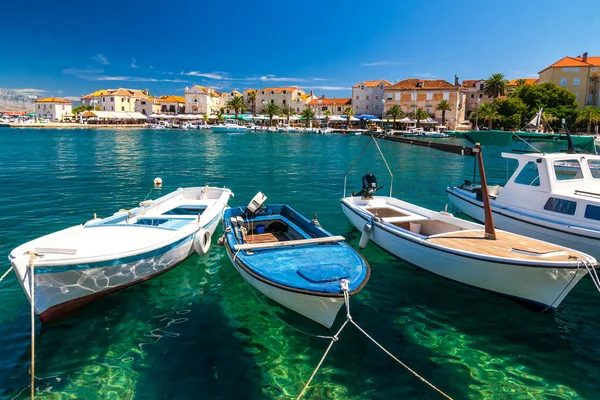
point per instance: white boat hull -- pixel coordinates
(61, 287)
(508, 221)
(544, 288)
(320, 309)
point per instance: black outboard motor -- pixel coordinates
(369, 186)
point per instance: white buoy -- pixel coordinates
(157, 182)
(202, 242)
(366, 235)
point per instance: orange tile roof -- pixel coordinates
(373, 83)
(171, 99)
(330, 102)
(422, 84)
(593, 61)
(53, 100)
(281, 89)
(97, 93)
(470, 82)
(528, 81)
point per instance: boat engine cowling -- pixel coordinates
(369, 186)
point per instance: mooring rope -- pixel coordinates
(32, 256)
(6, 273)
(593, 274)
(344, 287)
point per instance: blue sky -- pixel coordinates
(325, 45)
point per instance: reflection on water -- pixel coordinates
(198, 332)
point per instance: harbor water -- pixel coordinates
(199, 332)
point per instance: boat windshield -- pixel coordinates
(569, 169)
(529, 175)
(594, 166)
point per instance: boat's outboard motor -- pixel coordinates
(369, 186)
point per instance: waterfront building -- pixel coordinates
(282, 97)
(203, 100)
(475, 94)
(121, 99)
(335, 106)
(579, 75)
(411, 94)
(250, 104)
(171, 104)
(147, 106)
(368, 96)
(52, 108)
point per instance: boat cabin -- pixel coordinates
(558, 183)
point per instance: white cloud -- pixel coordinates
(82, 73)
(99, 58)
(133, 64)
(30, 90)
(137, 79)
(381, 63)
(426, 75)
(72, 98)
(209, 75)
(273, 78)
(151, 67)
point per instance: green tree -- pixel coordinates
(443, 106)
(395, 112)
(327, 114)
(552, 98)
(236, 103)
(288, 112)
(271, 109)
(419, 115)
(80, 109)
(496, 85)
(488, 112)
(252, 100)
(348, 112)
(512, 112)
(308, 114)
(520, 82)
(591, 115)
(220, 113)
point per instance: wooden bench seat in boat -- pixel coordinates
(287, 243)
(409, 218)
(507, 245)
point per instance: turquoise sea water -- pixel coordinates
(197, 332)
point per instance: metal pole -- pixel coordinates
(490, 231)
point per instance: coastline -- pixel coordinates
(70, 125)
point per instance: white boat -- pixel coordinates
(228, 127)
(551, 196)
(85, 262)
(528, 270)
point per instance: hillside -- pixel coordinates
(11, 100)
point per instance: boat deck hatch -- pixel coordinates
(323, 273)
(186, 210)
(168, 223)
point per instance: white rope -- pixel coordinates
(344, 287)
(6, 273)
(593, 274)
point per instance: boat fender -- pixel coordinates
(202, 242)
(366, 235)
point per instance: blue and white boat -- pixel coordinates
(292, 260)
(85, 262)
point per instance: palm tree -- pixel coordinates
(488, 112)
(548, 118)
(327, 114)
(443, 107)
(271, 109)
(308, 113)
(419, 114)
(252, 99)
(395, 112)
(236, 104)
(348, 112)
(287, 111)
(220, 113)
(496, 85)
(521, 82)
(591, 114)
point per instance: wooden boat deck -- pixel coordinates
(268, 237)
(507, 245)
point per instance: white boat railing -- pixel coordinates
(358, 158)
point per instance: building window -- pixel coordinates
(357, 97)
(376, 97)
(362, 87)
(112, 99)
(561, 206)
(446, 95)
(356, 107)
(576, 81)
(122, 108)
(283, 101)
(481, 96)
(272, 101)
(413, 96)
(339, 108)
(366, 107)
(389, 96)
(272, 92)
(103, 99)
(472, 95)
(367, 97)
(481, 86)
(429, 96)
(563, 81)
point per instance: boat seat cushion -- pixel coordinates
(323, 273)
